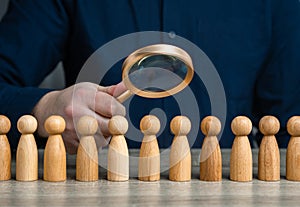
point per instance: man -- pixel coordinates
(253, 45)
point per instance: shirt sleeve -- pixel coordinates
(278, 84)
(33, 36)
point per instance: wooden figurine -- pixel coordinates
(268, 155)
(5, 152)
(211, 158)
(87, 153)
(241, 154)
(27, 153)
(149, 160)
(293, 150)
(55, 151)
(180, 155)
(118, 158)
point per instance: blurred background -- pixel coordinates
(56, 78)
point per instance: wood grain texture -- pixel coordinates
(293, 150)
(87, 153)
(180, 160)
(27, 159)
(55, 151)
(293, 159)
(5, 158)
(149, 160)
(5, 151)
(241, 160)
(241, 154)
(211, 160)
(118, 158)
(269, 156)
(27, 153)
(87, 160)
(180, 155)
(210, 157)
(55, 159)
(162, 193)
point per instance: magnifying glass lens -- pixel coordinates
(157, 73)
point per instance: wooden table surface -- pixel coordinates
(161, 193)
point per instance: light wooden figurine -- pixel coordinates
(293, 150)
(55, 151)
(149, 160)
(180, 154)
(268, 155)
(211, 158)
(5, 153)
(118, 159)
(241, 154)
(27, 153)
(87, 153)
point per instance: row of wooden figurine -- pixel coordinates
(210, 157)
(180, 158)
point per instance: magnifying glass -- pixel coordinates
(156, 71)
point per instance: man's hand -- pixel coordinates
(76, 101)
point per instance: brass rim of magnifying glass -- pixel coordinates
(158, 49)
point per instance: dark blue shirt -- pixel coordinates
(254, 46)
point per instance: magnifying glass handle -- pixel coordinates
(124, 96)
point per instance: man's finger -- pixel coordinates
(117, 90)
(107, 106)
